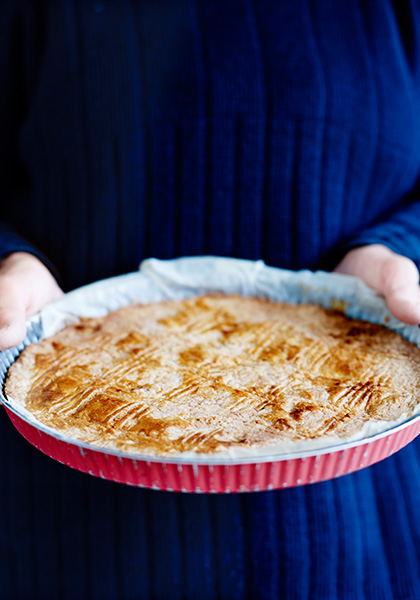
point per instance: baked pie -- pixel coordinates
(212, 373)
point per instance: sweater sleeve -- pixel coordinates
(399, 231)
(11, 242)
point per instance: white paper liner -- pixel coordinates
(179, 278)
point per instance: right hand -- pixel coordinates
(26, 286)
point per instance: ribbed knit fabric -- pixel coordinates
(287, 131)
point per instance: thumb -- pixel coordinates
(26, 286)
(394, 276)
(12, 317)
(400, 286)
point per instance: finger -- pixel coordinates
(399, 283)
(397, 271)
(12, 326)
(404, 304)
(12, 316)
(49, 292)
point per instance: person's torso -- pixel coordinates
(258, 129)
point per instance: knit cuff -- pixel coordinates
(10, 242)
(400, 233)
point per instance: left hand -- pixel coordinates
(394, 276)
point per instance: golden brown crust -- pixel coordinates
(214, 372)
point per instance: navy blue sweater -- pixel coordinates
(288, 131)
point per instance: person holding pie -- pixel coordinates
(256, 129)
